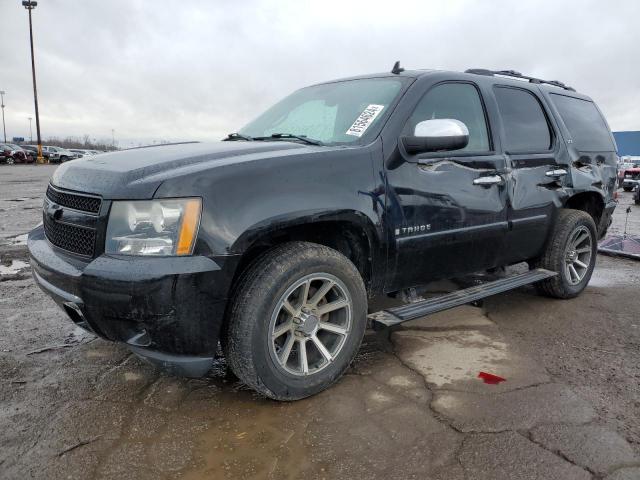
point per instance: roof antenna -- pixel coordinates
(397, 68)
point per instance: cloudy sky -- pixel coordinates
(177, 70)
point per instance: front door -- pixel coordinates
(446, 211)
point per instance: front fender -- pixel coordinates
(243, 200)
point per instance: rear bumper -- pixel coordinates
(168, 310)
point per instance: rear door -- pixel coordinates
(535, 154)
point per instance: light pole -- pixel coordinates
(113, 138)
(4, 129)
(30, 130)
(30, 5)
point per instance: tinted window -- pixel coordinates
(525, 125)
(588, 130)
(459, 101)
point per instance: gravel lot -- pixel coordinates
(73, 406)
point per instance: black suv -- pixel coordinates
(274, 241)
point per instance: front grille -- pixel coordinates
(71, 200)
(69, 237)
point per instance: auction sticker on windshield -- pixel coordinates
(364, 120)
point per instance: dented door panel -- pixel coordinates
(443, 224)
(533, 199)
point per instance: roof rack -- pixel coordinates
(514, 74)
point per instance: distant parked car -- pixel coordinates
(624, 164)
(29, 157)
(630, 176)
(78, 152)
(16, 153)
(58, 154)
(34, 150)
(5, 154)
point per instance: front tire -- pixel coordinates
(571, 252)
(296, 321)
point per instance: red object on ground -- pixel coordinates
(490, 378)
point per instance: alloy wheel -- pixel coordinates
(310, 324)
(578, 255)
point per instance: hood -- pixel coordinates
(137, 173)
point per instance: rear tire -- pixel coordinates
(296, 321)
(10, 161)
(571, 252)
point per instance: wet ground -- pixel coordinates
(72, 406)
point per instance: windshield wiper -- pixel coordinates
(302, 138)
(237, 136)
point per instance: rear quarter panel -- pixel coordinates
(589, 171)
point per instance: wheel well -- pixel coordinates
(349, 239)
(589, 202)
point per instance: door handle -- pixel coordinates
(560, 172)
(488, 181)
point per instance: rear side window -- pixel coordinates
(588, 130)
(525, 125)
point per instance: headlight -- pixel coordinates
(153, 227)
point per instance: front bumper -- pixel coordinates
(168, 310)
(629, 183)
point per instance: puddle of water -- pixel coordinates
(15, 267)
(445, 358)
(253, 438)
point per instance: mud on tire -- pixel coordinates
(301, 306)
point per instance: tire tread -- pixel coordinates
(242, 315)
(552, 257)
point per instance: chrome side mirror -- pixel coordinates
(436, 135)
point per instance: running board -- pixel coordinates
(404, 313)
